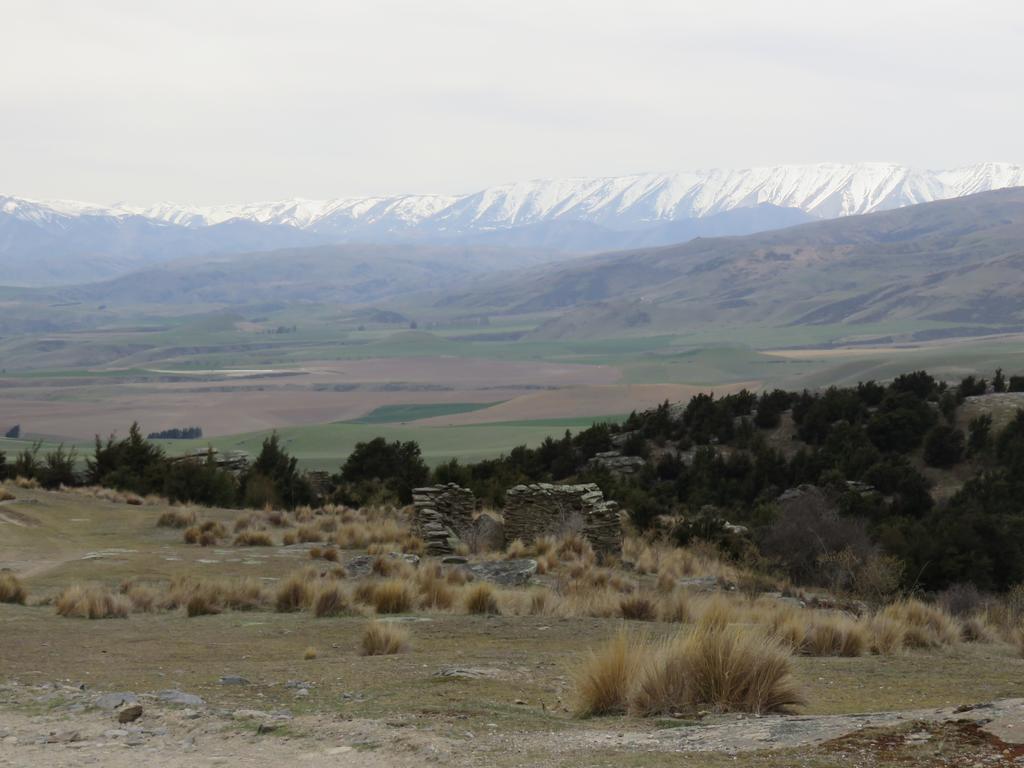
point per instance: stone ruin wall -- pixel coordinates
(443, 515)
(542, 508)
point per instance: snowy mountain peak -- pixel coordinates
(822, 190)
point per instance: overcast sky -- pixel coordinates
(214, 101)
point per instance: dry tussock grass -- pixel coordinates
(309, 654)
(735, 669)
(638, 608)
(675, 607)
(924, 626)
(976, 629)
(835, 635)
(106, 494)
(603, 681)
(253, 539)
(481, 599)
(6, 495)
(383, 639)
(26, 483)
(91, 601)
(331, 599)
(393, 596)
(204, 595)
(177, 518)
(295, 592)
(11, 589)
(435, 591)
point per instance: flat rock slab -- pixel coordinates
(468, 673)
(362, 565)
(507, 573)
(1003, 719)
(111, 701)
(178, 697)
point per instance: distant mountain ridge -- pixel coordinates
(38, 239)
(937, 267)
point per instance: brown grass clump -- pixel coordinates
(393, 596)
(144, 598)
(276, 518)
(481, 600)
(330, 555)
(177, 518)
(543, 602)
(289, 538)
(309, 533)
(26, 483)
(253, 539)
(675, 607)
(546, 545)
(637, 608)
(309, 654)
(735, 669)
(295, 592)
(6, 495)
(242, 522)
(331, 600)
(89, 601)
(206, 534)
(888, 635)
(925, 626)
(789, 626)
(976, 629)
(717, 613)
(835, 635)
(202, 597)
(458, 576)
(383, 639)
(516, 549)
(435, 592)
(602, 683)
(202, 603)
(11, 589)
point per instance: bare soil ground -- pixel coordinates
(471, 690)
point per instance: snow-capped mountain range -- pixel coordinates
(569, 214)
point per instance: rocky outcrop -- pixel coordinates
(443, 515)
(543, 508)
(616, 463)
(506, 573)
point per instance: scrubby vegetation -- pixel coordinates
(11, 589)
(868, 490)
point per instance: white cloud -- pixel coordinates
(221, 101)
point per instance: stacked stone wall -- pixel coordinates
(443, 515)
(542, 508)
